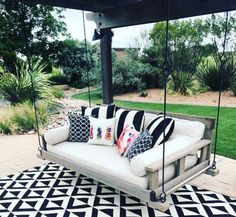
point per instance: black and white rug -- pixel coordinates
(52, 190)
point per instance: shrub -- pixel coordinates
(6, 126)
(17, 88)
(21, 118)
(58, 93)
(181, 82)
(24, 116)
(209, 72)
(233, 86)
(57, 77)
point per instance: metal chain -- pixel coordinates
(86, 56)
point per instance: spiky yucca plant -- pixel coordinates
(17, 88)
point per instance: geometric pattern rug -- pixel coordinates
(52, 190)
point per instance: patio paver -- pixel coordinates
(18, 153)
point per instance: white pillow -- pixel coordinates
(102, 131)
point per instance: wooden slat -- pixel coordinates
(181, 180)
(153, 180)
(178, 155)
(181, 166)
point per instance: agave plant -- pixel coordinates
(210, 72)
(28, 83)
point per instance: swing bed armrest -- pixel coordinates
(57, 135)
(172, 157)
(151, 160)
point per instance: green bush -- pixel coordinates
(233, 86)
(129, 73)
(21, 118)
(209, 72)
(182, 82)
(5, 128)
(17, 88)
(57, 77)
(58, 93)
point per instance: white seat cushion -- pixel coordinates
(99, 158)
(105, 158)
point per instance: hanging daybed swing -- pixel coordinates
(164, 174)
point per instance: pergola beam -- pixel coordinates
(88, 5)
(154, 11)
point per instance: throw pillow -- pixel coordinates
(104, 112)
(125, 117)
(126, 137)
(157, 127)
(79, 128)
(101, 131)
(141, 144)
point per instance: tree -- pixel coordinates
(27, 31)
(185, 50)
(72, 58)
(216, 30)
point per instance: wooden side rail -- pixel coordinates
(157, 165)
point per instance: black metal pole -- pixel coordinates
(106, 61)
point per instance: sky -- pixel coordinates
(123, 37)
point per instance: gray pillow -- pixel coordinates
(141, 144)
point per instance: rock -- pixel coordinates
(31, 132)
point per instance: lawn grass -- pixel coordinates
(227, 124)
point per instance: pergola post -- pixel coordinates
(106, 61)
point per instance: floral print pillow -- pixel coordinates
(128, 135)
(101, 131)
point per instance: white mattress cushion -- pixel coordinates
(182, 127)
(57, 135)
(188, 128)
(139, 162)
(105, 158)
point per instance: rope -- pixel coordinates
(220, 89)
(162, 197)
(86, 56)
(40, 148)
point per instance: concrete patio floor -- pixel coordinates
(18, 153)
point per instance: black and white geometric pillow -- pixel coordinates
(158, 126)
(79, 128)
(126, 117)
(104, 112)
(141, 144)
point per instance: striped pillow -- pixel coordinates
(103, 112)
(157, 127)
(125, 117)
